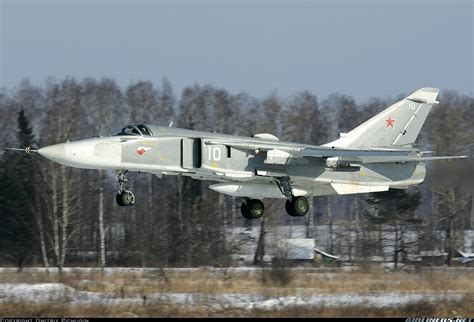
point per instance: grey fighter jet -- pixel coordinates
(377, 155)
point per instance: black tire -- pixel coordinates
(298, 207)
(252, 209)
(289, 209)
(128, 198)
(118, 199)
(256, 208)
(245, 211)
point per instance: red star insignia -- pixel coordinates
(390, 122)
(140, 150)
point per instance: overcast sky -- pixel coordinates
(361, 48)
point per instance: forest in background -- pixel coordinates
(51, 215)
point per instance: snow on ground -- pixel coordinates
(45, 293)
(60, 293)
(139, 271)
(38, 293)
(240, 269)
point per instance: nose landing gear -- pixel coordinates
(124, 197)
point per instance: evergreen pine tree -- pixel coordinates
(16, 199)
(395, 209)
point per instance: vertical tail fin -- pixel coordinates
(398, 125)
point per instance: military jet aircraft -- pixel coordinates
(377, 155)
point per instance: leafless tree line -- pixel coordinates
(68, 216)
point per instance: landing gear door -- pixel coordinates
(191, 153)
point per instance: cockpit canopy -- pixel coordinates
(134, 129)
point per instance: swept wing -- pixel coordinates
(343, 155)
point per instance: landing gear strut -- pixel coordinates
(124, 197)
(252, 208)
(294, 206)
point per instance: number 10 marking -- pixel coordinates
(215, 154)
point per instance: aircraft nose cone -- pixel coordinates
(56, 152)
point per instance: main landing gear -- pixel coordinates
(124, 197)
(297, 206)
(294, 206)
(252, 208)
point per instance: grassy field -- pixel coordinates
(236, 292)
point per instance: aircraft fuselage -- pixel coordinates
(173, 151)
(377, 155)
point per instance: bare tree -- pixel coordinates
(450, 135)
(65, 116)
(104, 107)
